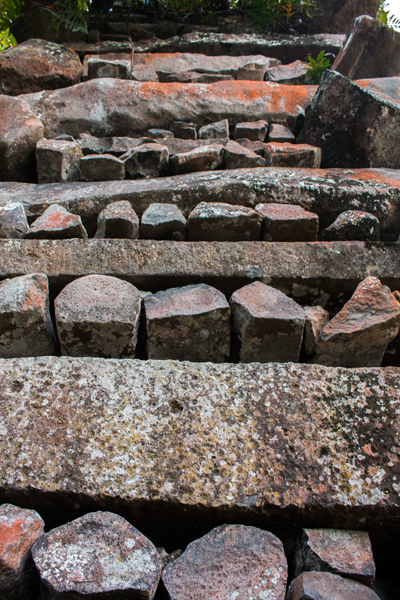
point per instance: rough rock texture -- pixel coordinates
(344, 115)
(147, 160)
(119, 107)
(195, 77)
(343, 552)
(223, 222)
(163, 222)
(13, 221)
(19, 529)
(232, 561)
(56, 223)
(99, 554)
(180, 62)
(38, 65)
(325, 586)
(136, 435)
(160, 134)
(370, 49)
(118, 220)
(98, 315)
(252, 72)
(237, 156)
(99, 67)
(359, 334)
(58, 161)
(109, 145)
(336, 16)
(316, 319)
(253, 130)
(183, 130)
(353, 225)
(142, 73)
(327, 192)
(280, 133)
(188, 323)
(204, 158)
(268, 325)
(283, 223)
(292, 74)
(292, 155)
(26, 328)
(104, 167)
(219, 129)
(308, 272)
(20, 129)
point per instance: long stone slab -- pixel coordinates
(327, 192)
(176, 446)
(105, 107)
(326, 272)
(286, 48)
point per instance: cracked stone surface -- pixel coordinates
(325, 586)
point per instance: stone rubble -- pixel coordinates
(316, 319)
(223, 222)
(99, 554)
(325, 586)
(19, 530)
(286, 223)
(163, 222)
(285, 154)
(58, 161)
(280, 133)
(118, 221)
(232, 561)
(103, 167)
(353, 225)
(255, 130)
(214, 130)
(13, 221)
(203, 158)
(98, 315)
(147, 160)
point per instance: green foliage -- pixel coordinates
(316, 68)
(9, 11)
(386, 18)
(279, 14)
(71, 14)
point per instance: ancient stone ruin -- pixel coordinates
(199, 315)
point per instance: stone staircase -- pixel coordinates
(178, 447)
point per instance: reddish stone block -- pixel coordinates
(292, 155)
(237, 156)
(218, 221)
(325, 586)
(232, 561)
(19, 529)
(288, 223)
(56, 223)
(253, 130)
(316, 319)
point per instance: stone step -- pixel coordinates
(179, 447)
(286, 48)
(310, 272)
(327, 192)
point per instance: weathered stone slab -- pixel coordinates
(308, 272)
(283, 154)
(237, 156)
(163, 222)
(105, 107)
(56, 223)
(100, 67)
(38, 65)
(293, 74)
(327, 192)
(220, 129)
(282, 223)
(280, 133)
(229, 562)
(370, 49)
(148, 436)
(57, 161)
(223, 222)
(13, 221)
(346, 115)
(325, 586)
(252, 130)
(118, 220)
(204, 158)
(352, 225)
(286, 48)
(147, 160)
(101, 167)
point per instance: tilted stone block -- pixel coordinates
(56, 223)
(58, 160)
(343, 552)
(288, 223)
(13, 221)
(214, 130)
(252, 72)
(353, 225)
(291, 74)
(104, 167)
(117, 69)
(316, 319)
(325, 586)
(184, 131)
(267, 324)
(147, 160)
(188, 323)
(280, 133)
(98, 315)
(253, 130)
(204, 158)
(99, 554)
(163, 222)
(19, 529)
(26, 328)
(359, 334)
(237, 156)
(143, 73)
(119, 221)
(218, 221)
(231, 561)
